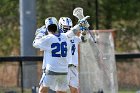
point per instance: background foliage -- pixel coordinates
(122, 15)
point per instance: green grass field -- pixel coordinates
(127, 91)
(18, 90)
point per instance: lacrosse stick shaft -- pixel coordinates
(92, 36)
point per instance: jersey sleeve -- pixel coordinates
(70, 34)
(78, 39)
(73, 31)
(41, 43)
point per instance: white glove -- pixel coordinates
(40, 32)
(83, 36)
(87, 24)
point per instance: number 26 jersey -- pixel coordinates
(56, 51)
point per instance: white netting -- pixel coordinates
(78, 12)
(97, 65)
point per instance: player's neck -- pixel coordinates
(53, 33)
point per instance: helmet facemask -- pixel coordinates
(65, 28)
(65, 24)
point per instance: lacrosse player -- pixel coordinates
(56, 47)
(65, 24)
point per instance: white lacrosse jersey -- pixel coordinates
(56, 50)
(75, 40)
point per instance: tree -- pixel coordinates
(123, 15)
(9, 28)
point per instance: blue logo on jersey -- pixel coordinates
(59, 49)
(72, 41)
(59, 39)
(73, 47)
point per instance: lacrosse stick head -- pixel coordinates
(78, 12)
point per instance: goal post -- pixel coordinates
(97, 71)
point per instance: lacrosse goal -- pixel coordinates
(97, 72)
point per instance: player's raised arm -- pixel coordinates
(74, 30)
(41, 32)
(41, 42)
(41, 39)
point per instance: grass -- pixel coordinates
(18, 90)
(13, 90)
(124, 91)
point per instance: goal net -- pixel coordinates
(97, 65)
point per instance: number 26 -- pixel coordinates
(60, 49)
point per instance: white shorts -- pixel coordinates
(73, 77)
(54, 82)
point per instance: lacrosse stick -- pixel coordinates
(78, 12)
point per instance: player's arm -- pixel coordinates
(41, 43)
(74, 30)
(83, 32)
(41, 32)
